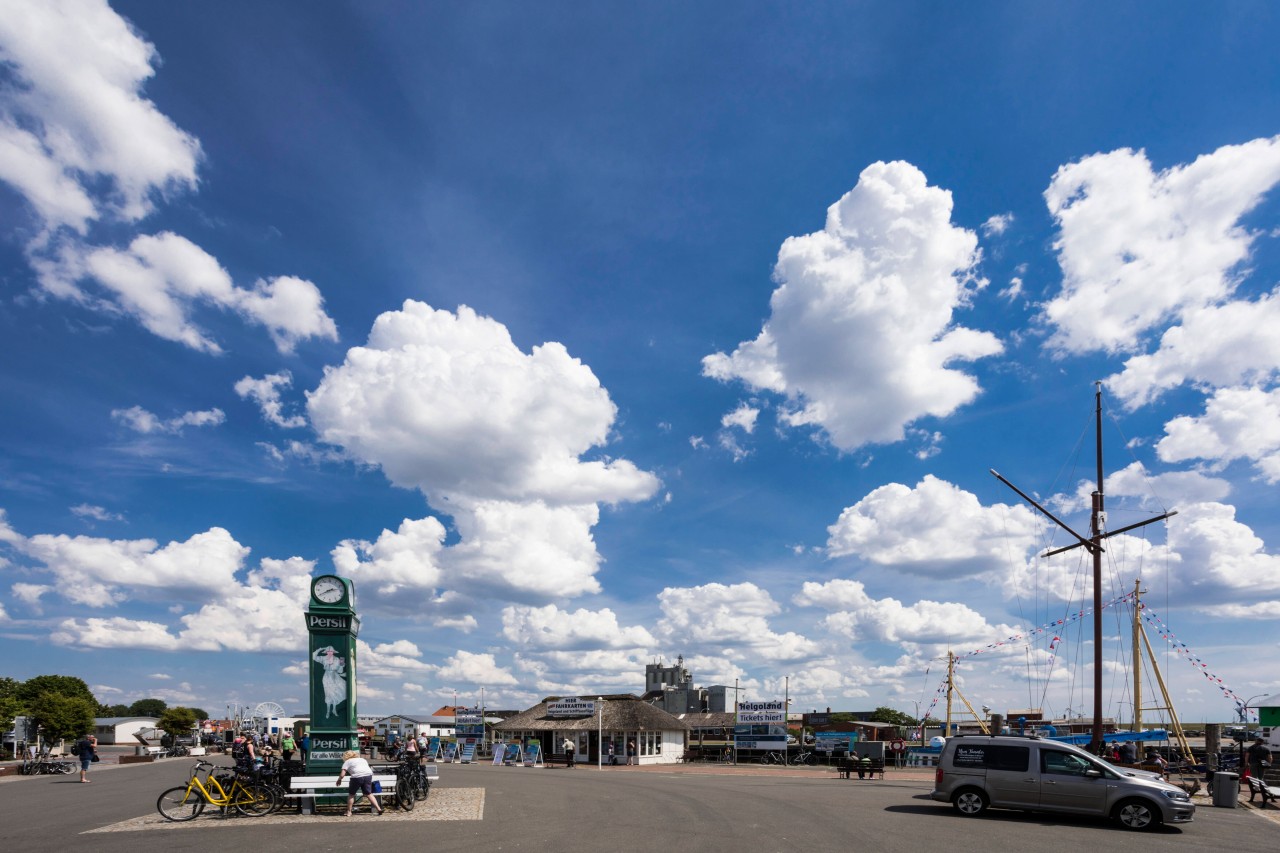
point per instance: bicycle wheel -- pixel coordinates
(254, 800)
(180, 804)
(278, 792)
(404, 798)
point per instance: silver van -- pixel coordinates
(1037, 774)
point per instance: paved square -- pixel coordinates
(443, 804)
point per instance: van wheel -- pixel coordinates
(970, 802)
(1137, 814)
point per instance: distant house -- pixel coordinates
(405, 725)
(121, 730)
(659, 737)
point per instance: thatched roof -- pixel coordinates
(622, 713)
(709, 719)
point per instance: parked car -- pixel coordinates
(977, 772)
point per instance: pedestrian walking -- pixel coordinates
(631, 752)
(612, 760)
(1259, 758)
(568, 752)
(287, 745)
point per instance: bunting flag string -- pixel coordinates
(1052, 628)
(1151, 618)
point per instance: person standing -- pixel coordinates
(244, 755)
(631, 752)
(287, 746)
(361, 780)
(568, 753)
(1259, 758)
(612, 760)
(87, 751)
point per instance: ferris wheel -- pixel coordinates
(266, 712)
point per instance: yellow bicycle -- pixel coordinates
(186, 802)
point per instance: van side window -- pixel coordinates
(992, 757)
(1062, 763)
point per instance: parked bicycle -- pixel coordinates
(412, 776)
(224, 790)
(802, 757)
(44, 765)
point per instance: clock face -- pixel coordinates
(329, 589)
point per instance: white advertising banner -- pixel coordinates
(773, 711)
(571, 708)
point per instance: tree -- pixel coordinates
(177, 721)
(885, 714)
(201, 714)
(147, 708)
(113, 710)
(9, 708)
(60, 716)
(66, 685)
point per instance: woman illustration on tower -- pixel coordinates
(334, 680)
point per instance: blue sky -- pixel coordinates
(587, 336)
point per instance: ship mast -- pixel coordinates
(1097, 524)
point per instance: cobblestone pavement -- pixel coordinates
(443, 804)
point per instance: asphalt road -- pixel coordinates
(585, 810)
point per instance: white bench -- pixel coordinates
(1269, 793)
(308, 788)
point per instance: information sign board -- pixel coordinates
(773, 711)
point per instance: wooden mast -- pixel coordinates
(1137, 656)
(1097, 526)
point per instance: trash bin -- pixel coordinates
(139, 750)
(1226, 789)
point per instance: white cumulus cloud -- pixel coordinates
(266, 393)
(550, 627)
(1238, 423)
(446, 403)
(935, 528)
(71, 123)
(80, 142)
(730, 619)
(861, 338)
(140, 420)
(1139, 247)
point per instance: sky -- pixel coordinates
(585, 336)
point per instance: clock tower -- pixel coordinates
(332, 626)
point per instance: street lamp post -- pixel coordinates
(1244, 719)
(600, 733)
